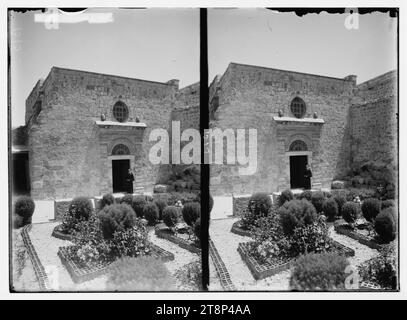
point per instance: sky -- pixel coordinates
(317, 44)
(163, 44)
(151, 44)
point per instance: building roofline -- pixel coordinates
(394, 71)
(190, 85)
(289, 71)
(111, 75)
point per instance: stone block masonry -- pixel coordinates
(69, 155)
(251, 96)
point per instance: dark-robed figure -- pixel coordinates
(307, 176)
(129, 181)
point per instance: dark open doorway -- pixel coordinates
(119, 172)
(21, 176)
(297, 170)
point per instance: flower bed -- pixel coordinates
(236, 229)
(261, 270)
(80, 273)
(165, 233)
(57, 233)
(357, 235)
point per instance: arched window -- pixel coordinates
(298, 107)
(120, 111)
(120, 149)
(298, 145)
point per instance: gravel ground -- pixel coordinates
(362, 252)
(227, 243)
(182, 257)
(60, 280)
(24, 278)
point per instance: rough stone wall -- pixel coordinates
(249, 97)
(187, 112)
(67, 155)
(373, 130)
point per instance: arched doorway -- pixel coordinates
(298, 155)
(120, 168)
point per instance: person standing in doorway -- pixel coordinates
(129, 181)
(308, 175)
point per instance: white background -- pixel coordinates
(4, 222)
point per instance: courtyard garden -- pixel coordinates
(129, 243)
(342, 239)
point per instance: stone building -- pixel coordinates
(332, 124)
(85, 130)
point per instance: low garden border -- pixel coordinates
(60, 235)
(268, 269)
(361, 238)
(239, 231)
(81, 274)
(162, 233)
(37, 265)
(223, 273)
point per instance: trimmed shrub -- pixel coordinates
(370, 209)
(317, 200)
(388, 203)
(151, 213)
(107, 200)
(127, 199)
(131, 242)
(319, 272)
(307, 195)
(385, 225)
(330, 209)
(138, 204)
(161, 204)
(259, 204)
(296, 213)
(247, 220)
(327, 194)
(24, 208)
(284, 197)
(170, 216)
(210, 203)
(197, 228)
(269, 240)
(80, 208)
(89, 244)
(139, 274)
(340, 201)
(116, 218)
(313, 237)
(17, 221)
(350, 211)
(191, 212)
(149, 198)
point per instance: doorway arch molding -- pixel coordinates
(298, 136)
(122, 140)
